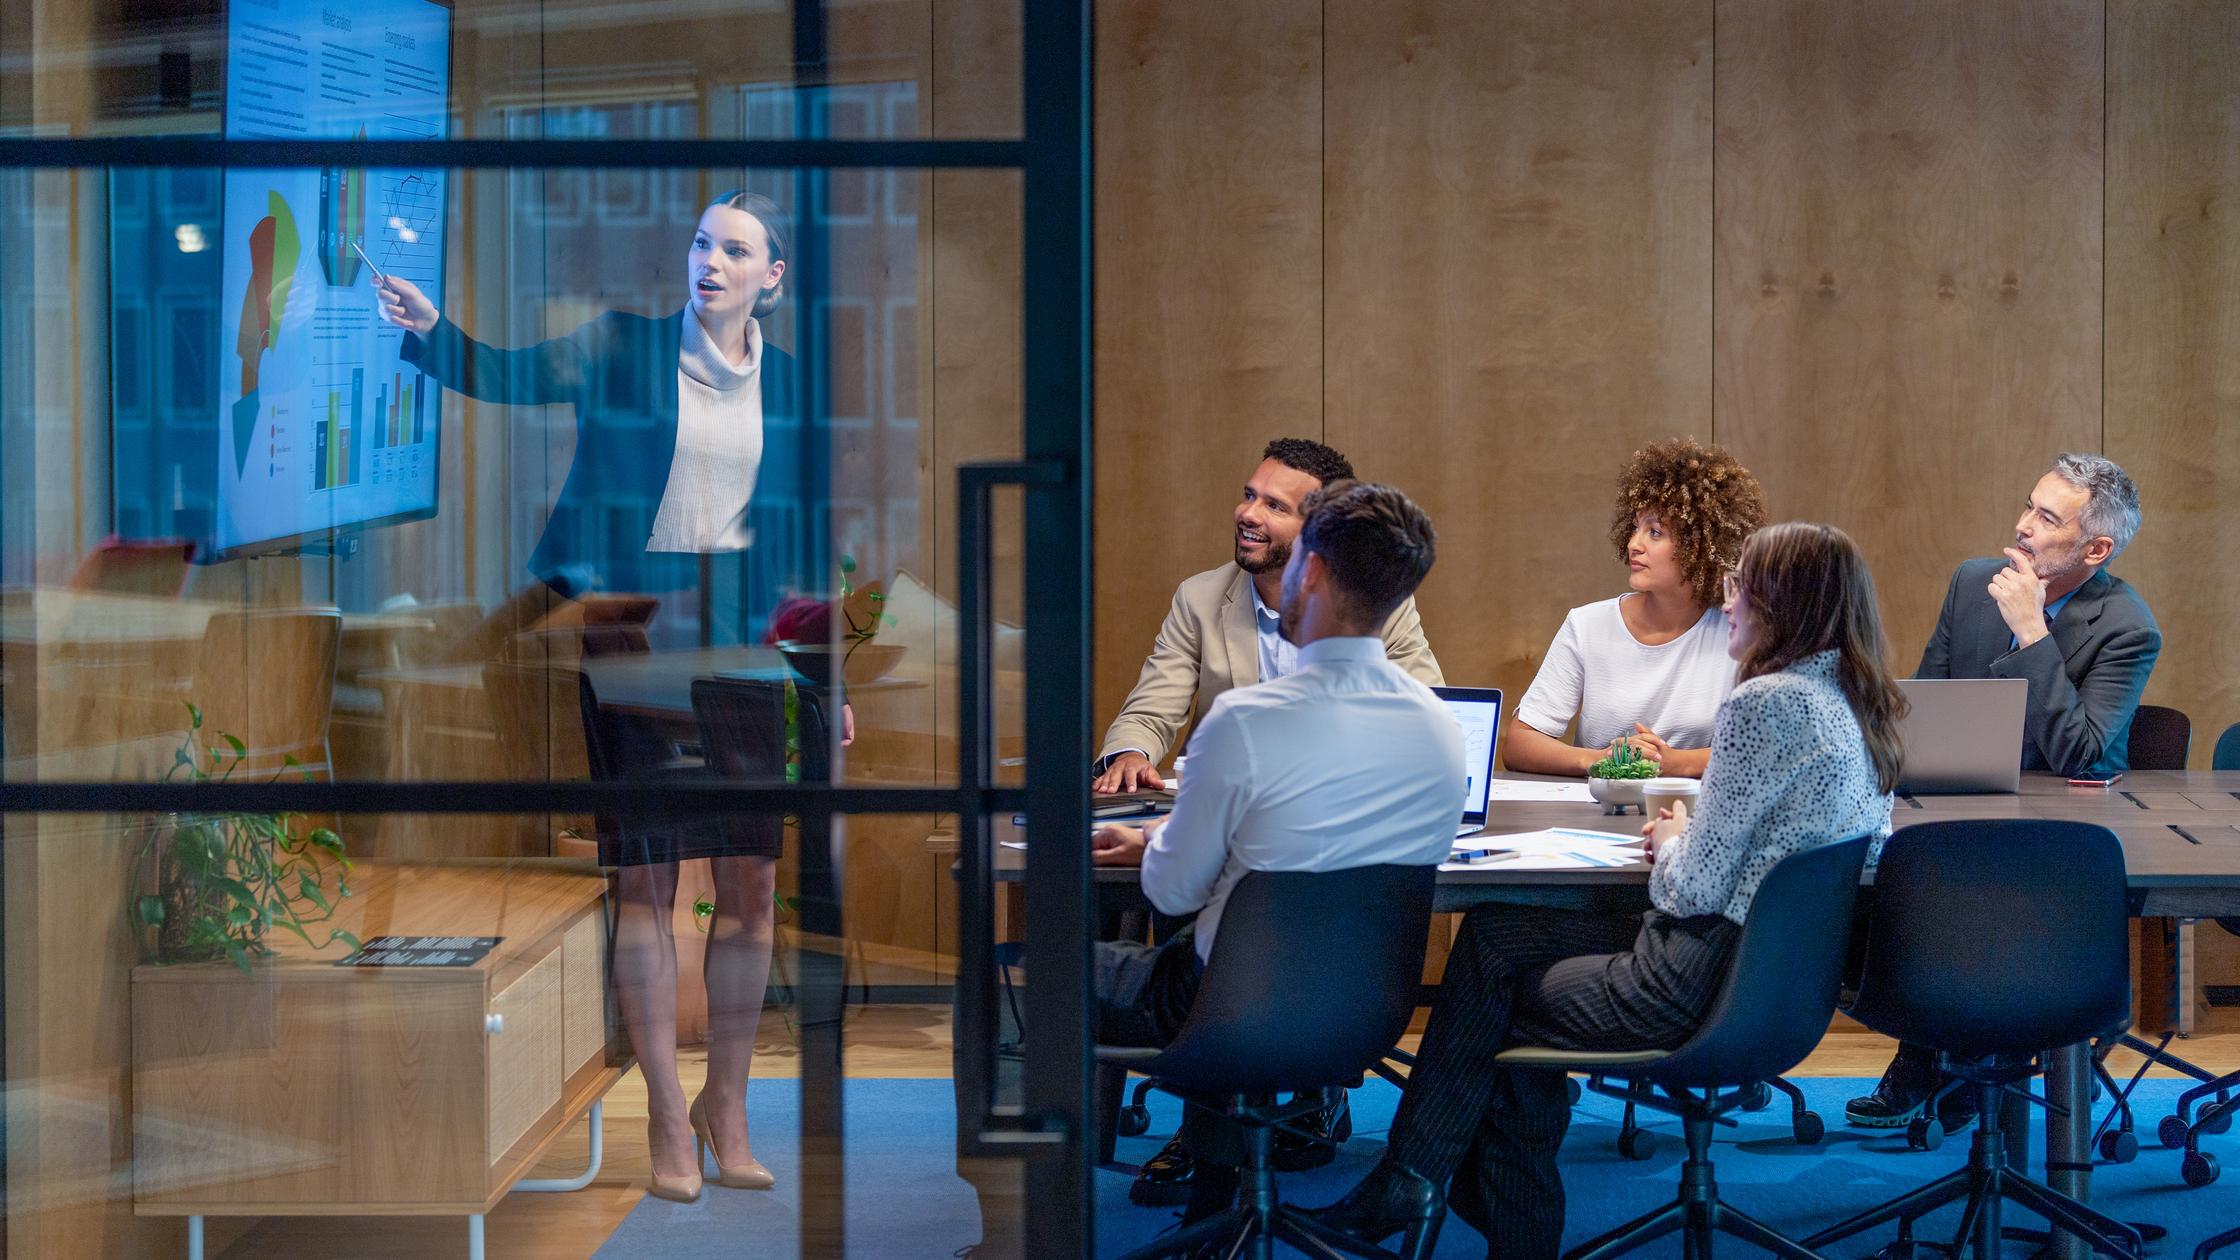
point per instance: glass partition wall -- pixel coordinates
(538, 543)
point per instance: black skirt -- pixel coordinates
(681, 840)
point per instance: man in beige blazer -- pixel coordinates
(1221, 630)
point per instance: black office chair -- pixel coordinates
(2218, 1096)
(2183, 1128)
(743, 729)
(1772, 1009)
(1312, 980)
(2226, 755)
(1992, 941)
(2161, 738)
(549, 723)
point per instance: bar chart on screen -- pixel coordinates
(329, 428)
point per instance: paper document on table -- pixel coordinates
(1564, 849)
(1518, 790)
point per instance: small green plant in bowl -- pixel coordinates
(1626, 762)
(1616, 779)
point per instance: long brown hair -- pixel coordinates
(1808, 590)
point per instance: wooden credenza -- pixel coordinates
(308, 1088)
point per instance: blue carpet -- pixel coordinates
(905, 1200)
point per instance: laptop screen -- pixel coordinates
(1478, 710)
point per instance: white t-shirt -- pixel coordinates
(1611, 680)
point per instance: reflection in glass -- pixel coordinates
(526, 630)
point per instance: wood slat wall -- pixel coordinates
(1880, 250)
(1908, 293)
(2173, 335)
(1518, 208)
(1209, 289)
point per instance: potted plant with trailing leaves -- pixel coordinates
(801, 628)
(215, 886)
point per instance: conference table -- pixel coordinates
(2180, 832)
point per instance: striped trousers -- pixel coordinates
(1537, 975)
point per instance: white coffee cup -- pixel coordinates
(1662, 794)
(1175, 780)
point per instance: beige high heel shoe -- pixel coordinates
(684, 1189)
(748, 1176)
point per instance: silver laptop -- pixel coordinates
(1962, 735)
(1478, 710)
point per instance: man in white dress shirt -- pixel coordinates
(1345, 762)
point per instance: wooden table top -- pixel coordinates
(2180, 832)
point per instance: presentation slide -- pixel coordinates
(323, 425)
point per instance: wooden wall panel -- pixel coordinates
(1908, 295)
(2173, 336)
(973, 337)
(1209, 289)
(1519, 245)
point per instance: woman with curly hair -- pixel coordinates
(1648, 667)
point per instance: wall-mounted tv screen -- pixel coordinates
(321, 425)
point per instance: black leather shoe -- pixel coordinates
(1323, 1132)
(1166, 1178)
(1897, 1098)
(1390, 1199)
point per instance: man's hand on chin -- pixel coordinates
(2021, 596)
(1116, 845)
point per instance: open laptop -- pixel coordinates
(1962, 735)
(1478, 710)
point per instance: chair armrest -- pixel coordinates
(1126, 1056)
(1579, 1060)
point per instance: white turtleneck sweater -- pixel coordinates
(719, 446)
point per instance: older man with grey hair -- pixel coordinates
(2050, 612)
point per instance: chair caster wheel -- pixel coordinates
(1924, 1134)
(1810, 1128)
(2217, 1122)
(1572, 1090)
(1134, 1121)
(1758, 1097)
(2172, 1131)
(1638, 1144)
(2199, 1168)
(2120, 1147)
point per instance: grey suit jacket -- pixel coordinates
(2085, 677)
(1208, 644)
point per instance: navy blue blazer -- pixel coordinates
(620, 373)
(2085, 677)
